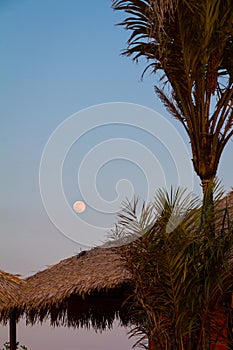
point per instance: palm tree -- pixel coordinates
(189, 47)
(182, 277)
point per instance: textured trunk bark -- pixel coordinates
(220, 339)
(208, 217)
(151, 345)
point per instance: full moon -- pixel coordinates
(79, 207)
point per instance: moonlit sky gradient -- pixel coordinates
(59, 57)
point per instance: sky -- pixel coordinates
(77, 123)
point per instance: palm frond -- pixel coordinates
(133, 219)
(182, 276)
(191, 43)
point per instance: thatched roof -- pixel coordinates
(11, 294)
(85, 290)
(226, 202)
(88, 289)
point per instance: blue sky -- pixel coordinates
(58, 58)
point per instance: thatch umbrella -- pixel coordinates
(88, 289)
(85, 290)
(11, 298)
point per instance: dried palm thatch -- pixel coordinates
(12, 289)
(82, 291)
(228, 199)
(86, 290)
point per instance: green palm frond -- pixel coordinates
(182, 276)
(190, 43)
(134, 218)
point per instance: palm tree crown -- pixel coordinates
(189, 45)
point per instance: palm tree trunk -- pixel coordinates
(230, 323)
(205, 183)
(208, 206)
(151, 344)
